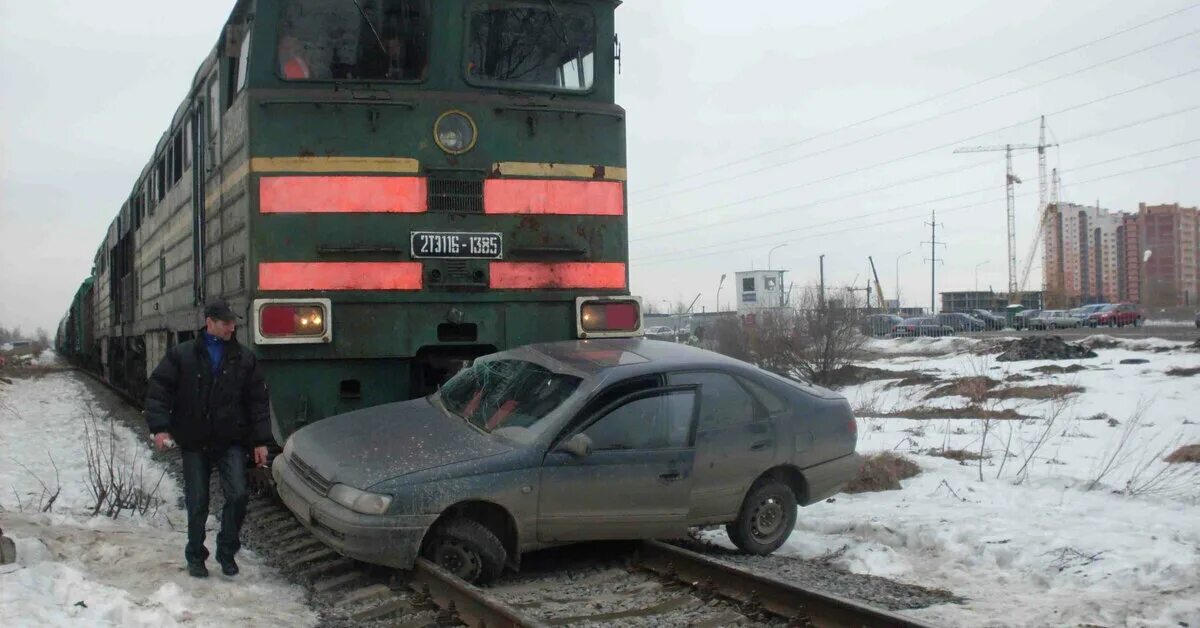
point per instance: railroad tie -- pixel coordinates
(338, 581)
(364, 593)
(302, 544)
(316, 555)
(341, 564)
(394, 607)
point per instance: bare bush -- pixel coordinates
(117, 476)
(45, 500)
(1052, 418)
(1117, 455)
(1160, 473)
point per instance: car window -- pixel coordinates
(772, 402)
(495, 394)
(722, 401)
(660, 421)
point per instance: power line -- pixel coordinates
(939, 147)
(790, 208)
(924, 101)
(653, 259)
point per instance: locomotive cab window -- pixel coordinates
(547, 46)
(364, 40)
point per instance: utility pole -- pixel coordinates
(821, 294)
(933, 261)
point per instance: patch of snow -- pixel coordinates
(78, 570)
(1062, 542)
(921, 345)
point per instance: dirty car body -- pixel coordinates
(570, 441)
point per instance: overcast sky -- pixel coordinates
(723, 105)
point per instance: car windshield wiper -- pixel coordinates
(371, 25)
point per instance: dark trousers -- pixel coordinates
(197, 469)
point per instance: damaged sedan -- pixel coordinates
(570, 441)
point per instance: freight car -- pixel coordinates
(385, 190)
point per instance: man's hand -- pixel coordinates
(163, 441)
(260, 456)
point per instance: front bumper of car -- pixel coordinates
(389, 540)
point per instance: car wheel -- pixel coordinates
(766, 519)
(467, 549)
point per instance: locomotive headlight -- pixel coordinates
(455, 132)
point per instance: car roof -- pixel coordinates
(632, 355)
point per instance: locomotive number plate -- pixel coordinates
(442, 244)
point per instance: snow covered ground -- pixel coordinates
(74, 569)
(1080, 523)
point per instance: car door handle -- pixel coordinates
(670, 477)
(761, 445)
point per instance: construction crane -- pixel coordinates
(1043, 226)
(1010, 181)
(878, 288)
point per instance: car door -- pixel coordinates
(735, 442)
(635, 483)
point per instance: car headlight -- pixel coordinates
(360, 501)
(455, 132)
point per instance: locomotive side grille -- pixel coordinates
(455, 195)
(310, 475)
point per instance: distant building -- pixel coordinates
(1094, 255)
(1170, 241)
(990, 301)
(760, 289)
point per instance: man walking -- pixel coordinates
(209, 396)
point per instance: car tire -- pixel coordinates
(766, 518)
(467, 549)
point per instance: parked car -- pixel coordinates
(1021, 320)
(879, 324)
(991, 320)
(922, 326)
(1084, 313)
(1116, 315)
(1054, 319)
(961, 322)
(570, 441)
(660, 332)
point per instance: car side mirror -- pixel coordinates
(579, 446)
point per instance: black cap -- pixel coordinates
(218, 309)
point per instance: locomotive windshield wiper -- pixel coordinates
(370, 25)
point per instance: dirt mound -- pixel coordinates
(1048, 391)
(1018, 377)
(882, 472)
(851, 375)
(965, 412)
(1180, 372)
(1042, 348)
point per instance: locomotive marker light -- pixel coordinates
(455, 132)
(608, 317)
(292, 321)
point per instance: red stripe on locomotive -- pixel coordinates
(339, 276)
(542, 196)
(342, 194)
(530, 275)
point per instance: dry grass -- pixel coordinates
(1187, 453)
(1049, 391)
(961, 455)
(974, 388)
(882, 472)
(965, 412)
(1018, 377)
(1178, 372)
(1054, 369)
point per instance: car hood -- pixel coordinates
(366, 447)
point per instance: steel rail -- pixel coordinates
(468, 603)
(780, 598)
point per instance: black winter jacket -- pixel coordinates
(199, 411)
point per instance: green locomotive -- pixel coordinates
(386, 189)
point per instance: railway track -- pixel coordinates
(643, 584)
